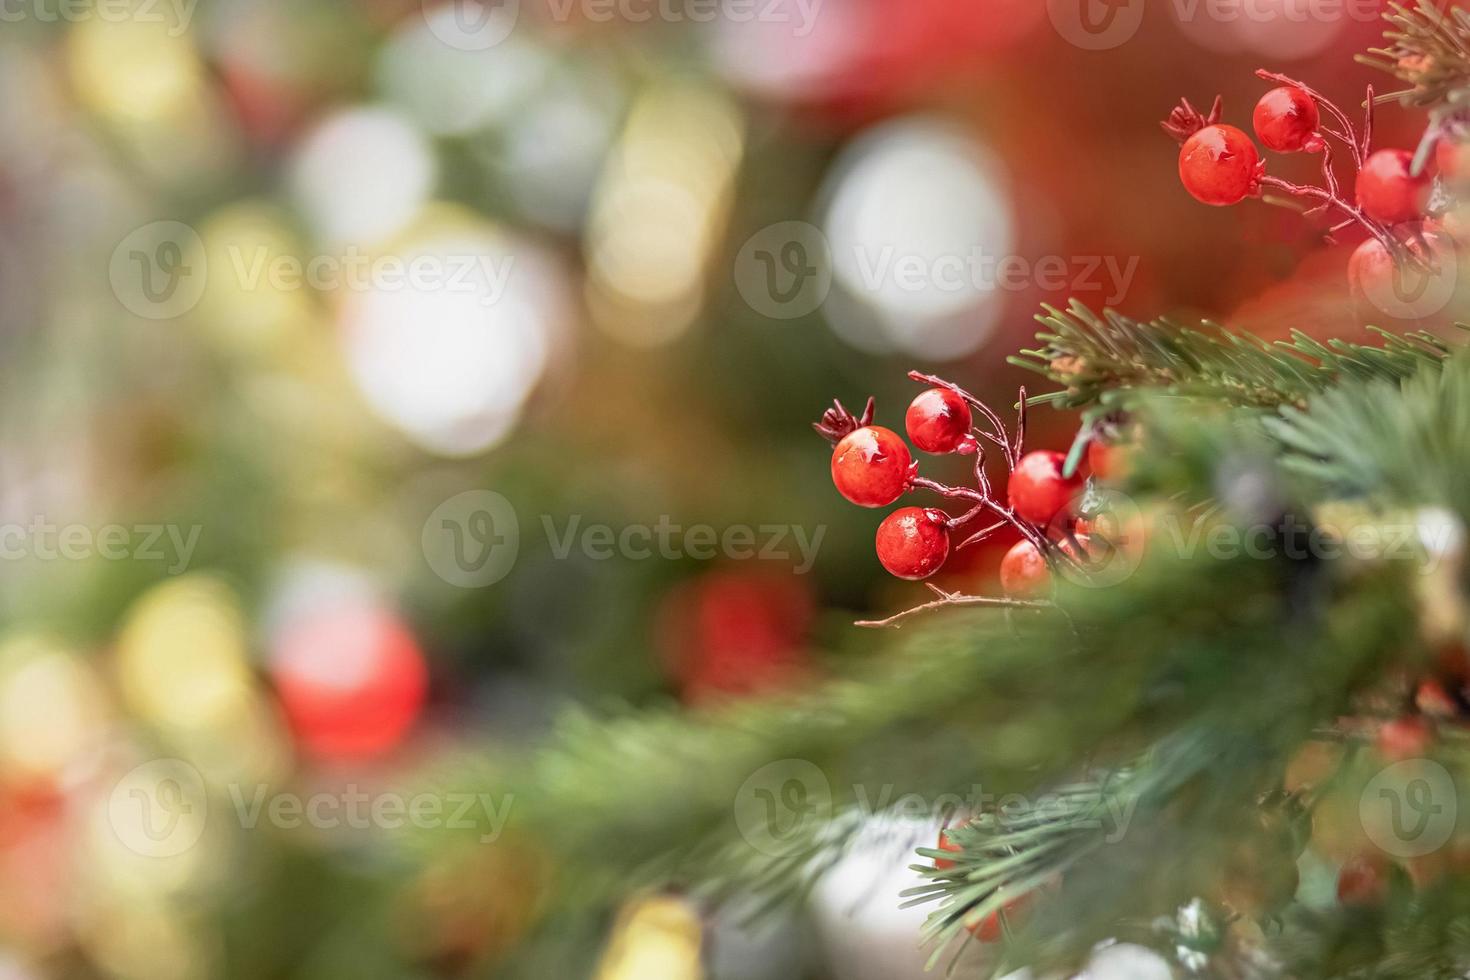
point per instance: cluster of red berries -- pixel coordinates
(872, 467)
(1220, 166)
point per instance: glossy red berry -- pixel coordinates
(914, 542)
(1220, 166)
(1363, 881)
(1286, 120)
(1388, 192)
(939, 421)
(1410, 737)
(1037, 490)
(1024, 573)
(871, 466)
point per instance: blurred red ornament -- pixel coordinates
(735, 633)
(351, 678)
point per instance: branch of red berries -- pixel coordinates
(872, 467)
(1220, 166)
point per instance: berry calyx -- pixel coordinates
(1363, 881)
(1410, 737)
(1286, 120)
(1388, 191)
(939, 420)
(1024, 573)
(913, 542)
(1038, 491)
(872, 466)
(1220, 166)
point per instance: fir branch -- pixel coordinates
(1401, 444)
(1429, 48)
(1096, 356)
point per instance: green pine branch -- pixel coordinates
(1403, 444)
(1428, 48)
(1099, 359)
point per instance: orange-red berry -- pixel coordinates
(871, 466)
(913, 542)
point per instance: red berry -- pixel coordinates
(939, 421)
(1286, 120)
(1434, 699)
(1024, 573)
(1410, 737)
(914, 542)
(1400, 287)
(1387, 191)
(351, 679)
(1038, 491)
(1220, 166)
(1363, 881)
(989, 930)
(1107, 461)
(1452, 160)
(871, 466)
(945, 844)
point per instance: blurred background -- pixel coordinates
(382, 378)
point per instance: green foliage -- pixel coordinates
(1174, 694)
(1103, 359)
(1426, 46)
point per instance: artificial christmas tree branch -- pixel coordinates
(1099, 358)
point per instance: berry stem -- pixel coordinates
(946, 598)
